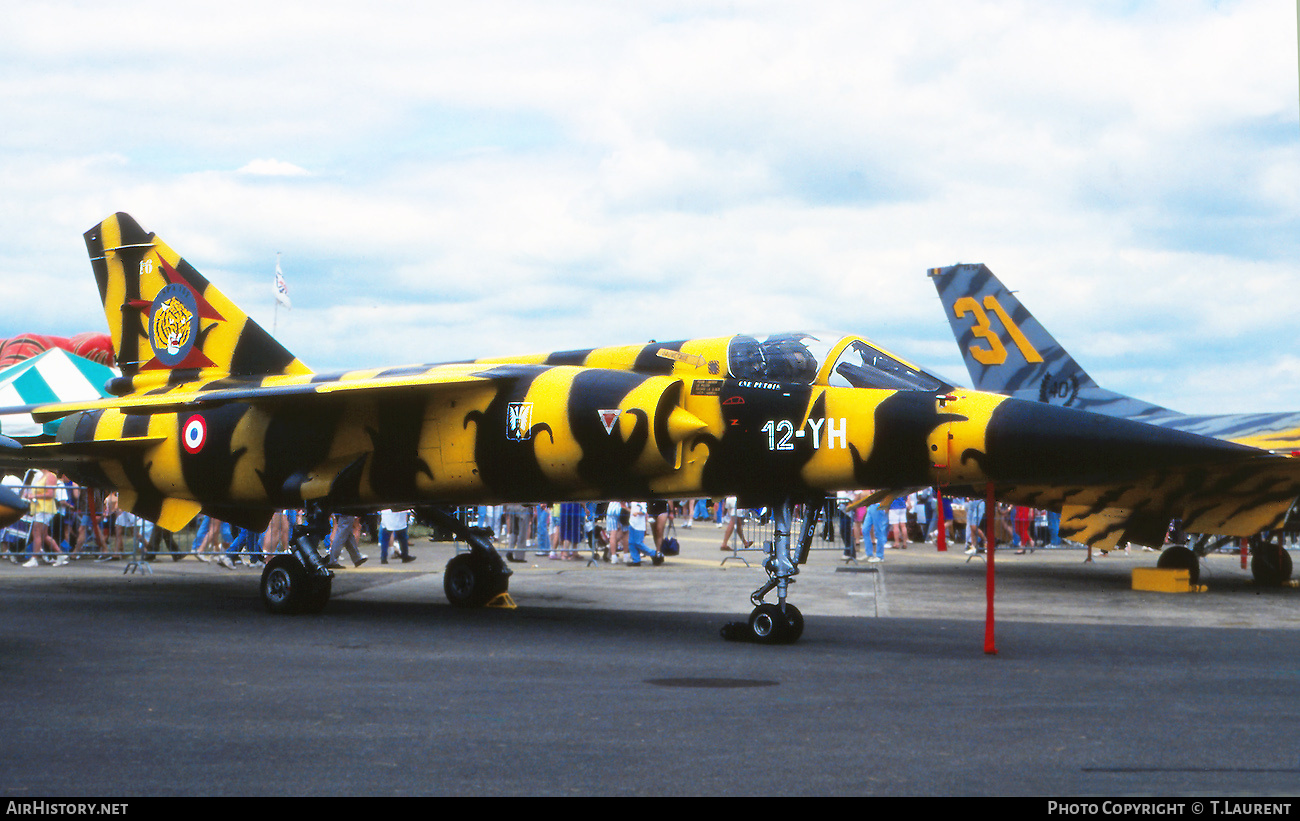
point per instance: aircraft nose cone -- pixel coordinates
(1036, 443)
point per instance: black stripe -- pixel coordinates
(569, 357)
(257, 353)
(649, 360)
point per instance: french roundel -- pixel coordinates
(194, 434)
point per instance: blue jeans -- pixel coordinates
(974, 512)
(636, 545)
(246, 540)
(386, 538)
(543, 529)
(877, 523)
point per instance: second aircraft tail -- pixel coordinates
(1008, 351)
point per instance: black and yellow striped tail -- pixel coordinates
(167, 322)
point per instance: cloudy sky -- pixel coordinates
(445, 180)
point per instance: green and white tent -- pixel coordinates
(53, 376)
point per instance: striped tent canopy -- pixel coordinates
(97, 347)
(53, 376)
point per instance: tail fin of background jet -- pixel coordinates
(164, 316)
(1007, 351)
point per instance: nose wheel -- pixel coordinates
(768, 624)
(779, 623)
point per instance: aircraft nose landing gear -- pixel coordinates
(779, 623)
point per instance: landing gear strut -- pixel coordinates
(299, 582)
(779, 623)
(475, 578)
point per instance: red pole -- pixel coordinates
(990, 544)
(1243, 554)
(942, 540)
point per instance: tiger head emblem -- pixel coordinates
(172, 322)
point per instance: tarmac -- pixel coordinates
(612, 680)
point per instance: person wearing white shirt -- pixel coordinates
(636, 526)
(394, 523)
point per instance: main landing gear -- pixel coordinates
(1270, 564)
(779, 623)
(475, 578)
(299, 582)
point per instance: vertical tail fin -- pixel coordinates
(164, 317)
(1008, 351)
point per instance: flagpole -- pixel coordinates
(275, 317)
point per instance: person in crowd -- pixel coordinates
(616, 522)
(660, 513)
(161, 537)
(514, 521)
(88, 526)
(733, 524)
(345, 533)
(933, 526)
(570, 531)
(249, 543)
(898, 522)
(842, 501)
(638, 520)
(41, 497)
(279, 531)
(127, 528)
(394, 525)
(875, 528)
(974, 525)
(203, 537)
(1024, 521)
(919, 505)
(542, 540)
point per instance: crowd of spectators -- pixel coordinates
(67, 521)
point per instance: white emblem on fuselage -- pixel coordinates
(519, 421)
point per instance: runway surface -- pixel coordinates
(609, 680)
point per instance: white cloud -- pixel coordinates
(272, 168)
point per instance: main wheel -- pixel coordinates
(284, 585)
(1177, 557)
(469, 582)
(1270, 564)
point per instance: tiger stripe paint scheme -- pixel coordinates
(239, 427)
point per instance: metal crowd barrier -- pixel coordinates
(80, 523)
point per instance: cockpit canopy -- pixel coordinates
(827, 359)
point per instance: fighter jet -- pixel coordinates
(212, 414)
(1008, 351)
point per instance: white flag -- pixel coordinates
(281, 290)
